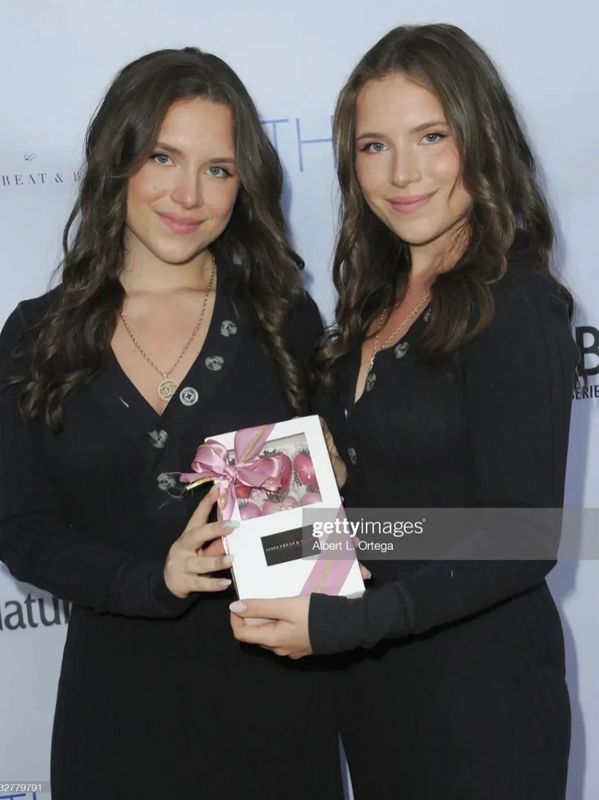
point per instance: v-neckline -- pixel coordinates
(113, 388)
(185, 380)
(356, 361)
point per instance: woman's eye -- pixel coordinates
(432, 138)
(218, 172)
(373, 147)
(161, 158)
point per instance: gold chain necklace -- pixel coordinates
(167, 387)
(403, 324)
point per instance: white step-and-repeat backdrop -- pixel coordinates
(58, 56)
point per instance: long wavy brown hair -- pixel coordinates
(68, 345)
(509, 216)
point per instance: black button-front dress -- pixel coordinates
(450, 678)
(156, 698)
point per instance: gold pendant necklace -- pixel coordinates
(167, 386)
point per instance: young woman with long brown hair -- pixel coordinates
(449, 372)
(179, 313)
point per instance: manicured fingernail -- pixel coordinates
(237, 607)
(224, 582)
(227, 561)
(230, 524)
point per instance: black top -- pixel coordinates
(155, 694)
(484, 427)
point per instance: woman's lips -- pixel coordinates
(406, 205)
(180, 224)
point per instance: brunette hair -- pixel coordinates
(68, 344)
(509, 216)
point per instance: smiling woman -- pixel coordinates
(188, 186)
(450, 328)
(410, 172)
(447, 383)
(180, 313)
(178, 203)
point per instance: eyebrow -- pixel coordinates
(177, 152)
(418, 129)
(425, 125)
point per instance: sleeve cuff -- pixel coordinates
(338, 624)
(167, 604)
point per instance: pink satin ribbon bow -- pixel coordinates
(260, 472)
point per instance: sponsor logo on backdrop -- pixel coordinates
(587, 339)
(33, 612)
(31, 171)
(299, 144)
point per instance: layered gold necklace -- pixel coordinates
(403, 325)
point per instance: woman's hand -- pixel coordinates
(339, 467)
(280, 625)
(199, 552)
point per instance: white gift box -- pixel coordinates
(275, 553)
